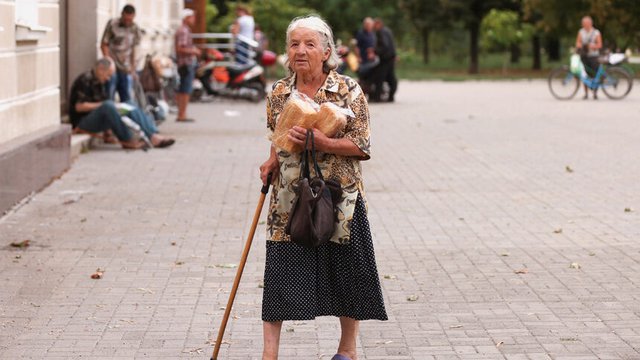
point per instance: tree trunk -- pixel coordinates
(474, 34)
(553, 48)
(537, 61)
(515, 53)
(425, 44)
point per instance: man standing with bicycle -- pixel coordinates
(588, 44)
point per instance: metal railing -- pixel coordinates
(227, 42)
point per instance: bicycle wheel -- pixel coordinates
(616, 83)
(563, 84)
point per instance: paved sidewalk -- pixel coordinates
(506, 226)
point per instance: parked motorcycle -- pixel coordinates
(234, 81)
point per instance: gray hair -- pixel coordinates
(317, 24)
(104, 63)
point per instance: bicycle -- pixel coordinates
(615, 81)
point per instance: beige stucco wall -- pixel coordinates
(30, 71)
(30, 74)
(158, 18)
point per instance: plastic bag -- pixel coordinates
(577, 67)
(300, 110)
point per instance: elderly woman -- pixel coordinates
(338, 278)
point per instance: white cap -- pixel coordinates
(187, 12)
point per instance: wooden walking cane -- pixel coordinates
(243, 260)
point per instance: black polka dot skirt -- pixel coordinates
(330, 280)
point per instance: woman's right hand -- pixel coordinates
(270, 166)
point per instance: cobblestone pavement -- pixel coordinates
(507, 218)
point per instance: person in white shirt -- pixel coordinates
(588, 45)
(244, 25)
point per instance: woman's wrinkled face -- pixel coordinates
(305, 51)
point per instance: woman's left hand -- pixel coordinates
(298, 135)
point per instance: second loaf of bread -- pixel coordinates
(298, 112)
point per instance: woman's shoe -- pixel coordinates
(339, 357)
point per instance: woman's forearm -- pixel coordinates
(340, 146)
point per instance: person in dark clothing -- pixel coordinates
(91, 110)
(365, 51)
(385, 72)
(366, 42)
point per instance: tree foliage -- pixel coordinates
(478, 25)
(501, 29)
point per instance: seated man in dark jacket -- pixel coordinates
(91, 110)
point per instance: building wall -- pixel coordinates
(30, 74)
(37, 73)
(30, 71)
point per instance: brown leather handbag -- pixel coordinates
(312, 218)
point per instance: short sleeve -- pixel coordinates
(271, 121)
(79, 91)
(108, 33)
(182, 38)
(357, 129)
(136, 36)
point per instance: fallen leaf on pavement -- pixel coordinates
(505, 254)
(522, 271)
(568, 339)
(179, 262)
(227, 266)
(149, 291)
(575, 265)
(173, 243)
(412, 298)
(568, 169)
(500, 344)
(456, 326)
(97, 274)
(628, 209)
(261, 285)
(213, 342)
(383, 342)
(290, 329)
(73, 200)
(391, 277)
(557, 231)
(21, 244)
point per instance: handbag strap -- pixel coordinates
(304, 160)
(313, 154)
(305, 171)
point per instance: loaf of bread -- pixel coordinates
(298, 112)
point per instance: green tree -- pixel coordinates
(555, 19)
(425, 16)
(211, 13)
(345, 16)
(502, 30)
(273, 16)
(471, 13)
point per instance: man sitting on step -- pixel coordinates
(91, 111)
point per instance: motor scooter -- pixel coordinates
(236, 81)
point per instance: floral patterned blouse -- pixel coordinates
(344, 92)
